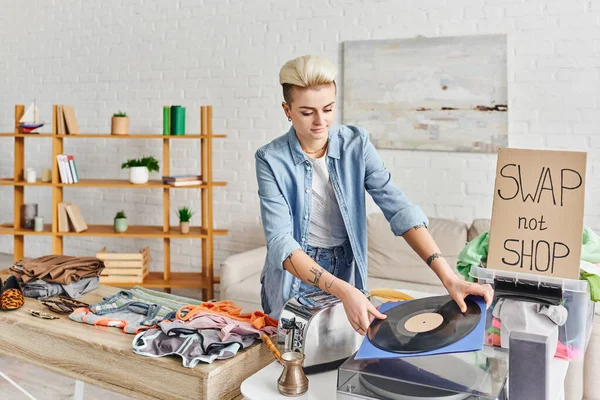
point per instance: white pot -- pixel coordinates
(138, 175)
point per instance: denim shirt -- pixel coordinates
(284, 175)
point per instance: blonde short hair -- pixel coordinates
(306, 72)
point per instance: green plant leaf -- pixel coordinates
(120, 214)
(184, 214)
(149, 161)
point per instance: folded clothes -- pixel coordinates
(57, 269)
(132, 310)
(40, 289)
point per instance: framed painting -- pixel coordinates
(444, 94)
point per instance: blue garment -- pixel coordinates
(284, 175)
(338, 261)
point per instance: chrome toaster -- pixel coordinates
(316, 325)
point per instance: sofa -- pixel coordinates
(394, 265)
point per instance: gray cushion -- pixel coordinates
(391, 257)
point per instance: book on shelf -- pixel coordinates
(185, 183)
(173, 120)
(75, 217)
(63, 219)
(183, 180)
(180, 178)
(66, 120)
(67, 168)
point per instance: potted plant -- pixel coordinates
(185, 215)
(140, 168)
(119, 124)
(120, 222)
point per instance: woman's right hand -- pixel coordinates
(359, 309)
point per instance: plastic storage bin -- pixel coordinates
(574, 335)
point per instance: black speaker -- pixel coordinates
(528, 367)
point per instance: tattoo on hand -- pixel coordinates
(416, 227)
(432, 257)
(317, 272)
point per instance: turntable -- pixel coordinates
(415, 362)
(473, 375)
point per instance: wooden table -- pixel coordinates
(104, 357)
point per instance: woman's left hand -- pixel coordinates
(459, 289)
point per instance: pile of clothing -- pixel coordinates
(205, 333)
(133, 310)
(56, 275)
(165, 324)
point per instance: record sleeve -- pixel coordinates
(423, 325)
(454, 337)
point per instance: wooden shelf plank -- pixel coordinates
(124, 183)
(32, 135)
(11, 182)
(109, 136)
(136, 136)
(155, 280)
(114, 183)
(144, 231)
(7, 229)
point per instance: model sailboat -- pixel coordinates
(31, 119)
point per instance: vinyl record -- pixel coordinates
(423, 325)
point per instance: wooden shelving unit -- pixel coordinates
(204, 280)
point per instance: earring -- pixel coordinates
(289, 120)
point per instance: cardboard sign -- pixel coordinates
(537, 215)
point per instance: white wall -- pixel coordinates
(137, 55)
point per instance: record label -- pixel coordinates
(423, 322)
(423, 325)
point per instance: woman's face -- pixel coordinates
(312, 111)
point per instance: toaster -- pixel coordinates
(316, 325)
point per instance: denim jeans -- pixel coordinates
(338, 261)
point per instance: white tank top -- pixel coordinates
(327, 228)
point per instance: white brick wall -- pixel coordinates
(138, 55)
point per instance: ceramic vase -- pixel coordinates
(120, 224)
(138, 175)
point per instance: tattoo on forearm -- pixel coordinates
(416, 227)
(329, 285)
(432, 257)
(317, 272)
(293, 266)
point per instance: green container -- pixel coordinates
(166, 120)
(120, 224)
(177, 120)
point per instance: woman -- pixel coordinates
(312, 183)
